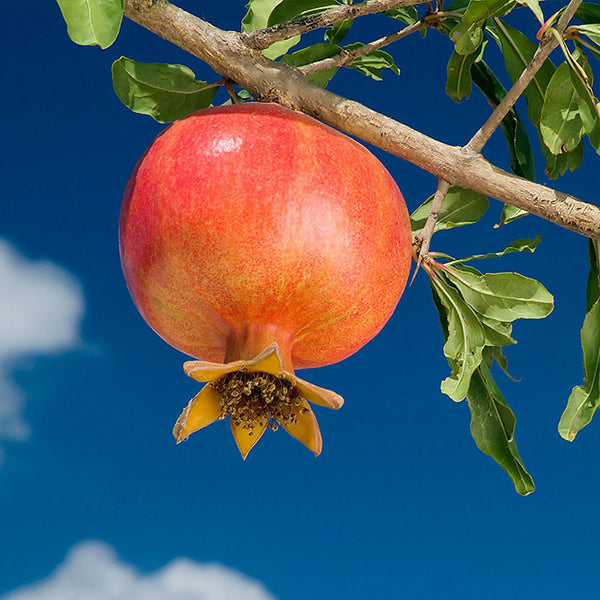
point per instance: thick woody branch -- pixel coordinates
(547, 45)
(263, 38)
(266, 80)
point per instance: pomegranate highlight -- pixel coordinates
(260, 241)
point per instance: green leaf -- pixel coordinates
(534, 5)
(467, 37)
(588, 12)
(497, 333)
(587, 104)
(373, 63)
(312, 54)
(522, 245)
(503, 296)
(493, 428)
(464, 346)
(494, 353)
(480, 10)
(592, 31)
(557, 164)
(92, 22)
(521, 154)
(510, 213)
(458, 75)
(593, 282)
(406, 14)
(561, 124)
(165, 92)
(337, 32)
(460, 207)
(257, 17)
(585, 399)
(517, 51)
(288, 10)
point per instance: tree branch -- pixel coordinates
(266, 80)
(346, 57)
(547, 45)
(263, 38)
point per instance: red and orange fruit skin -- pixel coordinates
(251, 224)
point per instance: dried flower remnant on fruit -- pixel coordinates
(256, 395)
(257, 398)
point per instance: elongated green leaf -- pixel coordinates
(561, 124)
(593, 282)
(587, 104)
(592, 31)
(503, 296)
(517, 51)
(534, 5)
(373, 63)
(497, 333)
(406, 14)
(510, 213)
(493, 428)
(585, 399)
(558, 164)
(480, 10)
(257, 17)
(464, 346)
(338, 31)
(92, 22)
(461, 207)
(588, 12)
(165, 92)
(458, 75)
(312, 54)
(522, 245)
(521, 154)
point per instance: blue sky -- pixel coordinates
(400, 504)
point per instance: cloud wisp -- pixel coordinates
(93, 571)
(41, 309)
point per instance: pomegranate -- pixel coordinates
(260, 241)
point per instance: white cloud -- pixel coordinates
(41, 308)
(93, 571)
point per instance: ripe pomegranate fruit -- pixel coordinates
(259, 241)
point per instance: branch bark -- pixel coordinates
(263, 38)
(268, 81)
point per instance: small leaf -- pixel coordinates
(464, 346)
(165, 92)
(493, 428)
(592, 31)
(406, 14)
(467, 37)
(560, 120)
(557, 164)
(312, 54)
(480, 10)
(497, 333)
(458, 75)
(510, 213)
(503, 296)
(257, 17)
(373, 63)
(460, 207)
(585, 399)
(522, 245)
(337, 32)
(92, 22)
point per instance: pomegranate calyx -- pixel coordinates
(256, 394)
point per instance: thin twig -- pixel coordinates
(347, 56)
(423, 239)
(263, 38)
(232, 93)
(547, 45)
